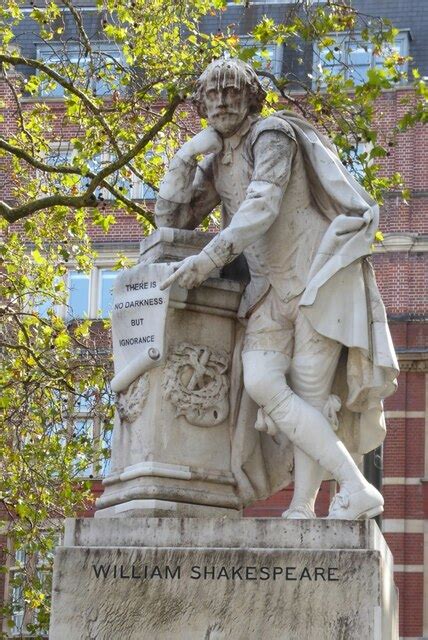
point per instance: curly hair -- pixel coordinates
(243, 75)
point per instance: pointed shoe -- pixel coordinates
(359, 505)
(299, 512)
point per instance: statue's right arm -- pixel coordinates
(187, 193)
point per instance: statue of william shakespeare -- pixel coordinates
(316, 354)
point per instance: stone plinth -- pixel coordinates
(172, 456)
(168, 578)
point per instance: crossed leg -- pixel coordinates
(305, 425)
(311, 376)
(281, 346)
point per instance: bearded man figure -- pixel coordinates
(312, 313)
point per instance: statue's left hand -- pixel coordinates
(265, 423)
(190, 272)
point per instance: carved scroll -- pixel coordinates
(130, 403)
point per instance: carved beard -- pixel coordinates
(226, 124)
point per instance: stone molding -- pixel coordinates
(413, 361)
(165, 470)
(394, 242)
(129, 403)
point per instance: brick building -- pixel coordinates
(402, 272)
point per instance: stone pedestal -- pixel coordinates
(246, 579)
(172, 457)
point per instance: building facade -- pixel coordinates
(401, 264)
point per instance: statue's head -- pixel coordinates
(226, 92)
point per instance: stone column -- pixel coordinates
(171, 438)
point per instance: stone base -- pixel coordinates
(163, 508)
(215, 579)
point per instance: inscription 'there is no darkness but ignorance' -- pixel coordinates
(140, 303)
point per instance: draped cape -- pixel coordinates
(341, 301)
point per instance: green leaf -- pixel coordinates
(37, 257)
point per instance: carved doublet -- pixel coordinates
(283, 256)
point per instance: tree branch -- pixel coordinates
(78, 20)
(13, 214)
(124, 158)
(37, 164)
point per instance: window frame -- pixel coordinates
(68, 316)
(99, 282)
(104, 262)
(51, 53)
(14, 568)
(134, 191)
(278, 58)
(91, 415)
(361, 147)
(343, 40)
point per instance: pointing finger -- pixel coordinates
(169, 281)
(172, 278)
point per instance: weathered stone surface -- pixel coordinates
(171, 445)
(164, 509)
(223, 579)
(318, 369)
(241, 533)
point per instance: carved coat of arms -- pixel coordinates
(195, 382)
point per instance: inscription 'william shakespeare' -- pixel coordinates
(213, 572)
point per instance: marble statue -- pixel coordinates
(317, 356)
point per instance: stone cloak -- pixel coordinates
(341, 301)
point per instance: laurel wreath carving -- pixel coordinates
(196, 384)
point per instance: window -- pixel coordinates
(268, 56)
(107, 278)
(86, 295)
(357, 158)
(106, 449)
(42, 307)
(21, 616)
(132, 188)
(78, 300)
(59, 154)
(99, 162)
(100, 72)
(88, 425)
(353, 57)
(17, 595)
(83, 429)
(142, 191)
(90, 295)
(44, 301)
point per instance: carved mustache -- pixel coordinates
(229, 112)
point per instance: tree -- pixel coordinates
(70, 168)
